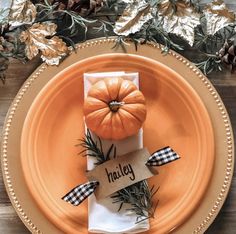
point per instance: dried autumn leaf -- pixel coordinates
(22, 12)
(180, 21)
(52, 49)
(217, 16)
(134, 16)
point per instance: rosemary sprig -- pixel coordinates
(94, 149)
(137, 195)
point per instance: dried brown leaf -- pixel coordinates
(180, 21)
(22, 12)
(134, 16)
(52, 49)
(217, 16)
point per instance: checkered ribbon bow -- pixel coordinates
(162, 157)
(81, 192)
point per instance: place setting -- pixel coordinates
(117, 134)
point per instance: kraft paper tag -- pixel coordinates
(121, 172)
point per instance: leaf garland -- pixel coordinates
(171, 23)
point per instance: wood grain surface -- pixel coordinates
(224, 82)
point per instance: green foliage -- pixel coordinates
(211, 63)
(139, 196)
(94, 149)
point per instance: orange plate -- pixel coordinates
(176, 117)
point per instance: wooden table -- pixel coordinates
(224, 82)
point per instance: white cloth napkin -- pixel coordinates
(103, 214)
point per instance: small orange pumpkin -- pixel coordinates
(114, 108)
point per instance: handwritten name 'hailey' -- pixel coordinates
(120, 172)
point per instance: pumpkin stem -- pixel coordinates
(115, 105)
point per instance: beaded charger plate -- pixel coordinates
(219, 154)
(175, 114)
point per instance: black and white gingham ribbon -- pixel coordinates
(162, 156)
(80, 193)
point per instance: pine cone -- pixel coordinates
(227, 54)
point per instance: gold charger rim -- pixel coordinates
(206, 221)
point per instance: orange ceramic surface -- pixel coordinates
(175, 117)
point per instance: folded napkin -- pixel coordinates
(103, 214)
